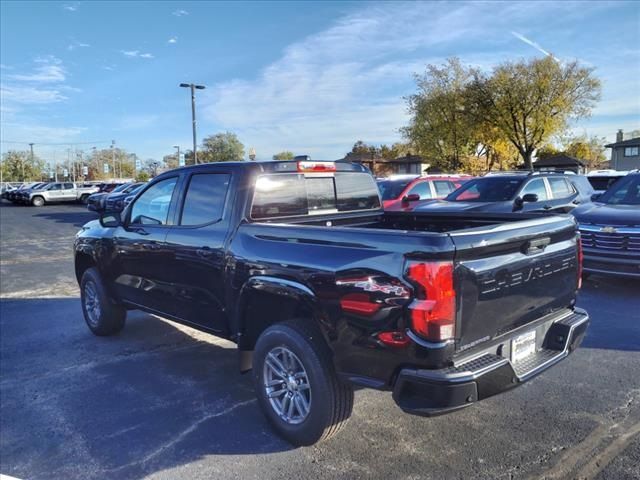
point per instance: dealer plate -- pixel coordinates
(522, 346)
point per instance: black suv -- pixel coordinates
(610, 229)
(516, 192)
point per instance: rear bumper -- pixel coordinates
(435, 392)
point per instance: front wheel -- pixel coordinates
(296, 384)
(103, 317)
(37, 201)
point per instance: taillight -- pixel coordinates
(433, 313)
(308, 166)
(580, 258)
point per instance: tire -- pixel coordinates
(103, 317)
(329, 401)
(84, 199)
(37, 201)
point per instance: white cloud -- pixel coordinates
(136, 54)
(173, 40)
(75, 44)
(43, 133)
(141, 121)
(180, 13)
(30, 95)
(71, 7)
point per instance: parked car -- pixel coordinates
(96, 202)
(322, 290)
(58, 192)
(7, 187)
(115, 201)
(22, 196)
(610, 229)
(13, 195)
(392, 186)
(523, 192)
(601, 180)
(428, 187)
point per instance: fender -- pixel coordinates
(273, 285)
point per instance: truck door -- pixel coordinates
(68, 192)
(197, 246)
(141, 272)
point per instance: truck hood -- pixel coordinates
(605, 214)
(444, 206)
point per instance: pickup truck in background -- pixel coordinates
(57, 192)
(321, 290)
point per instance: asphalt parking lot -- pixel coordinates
(160, 400)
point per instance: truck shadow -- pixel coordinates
(614, 307)
(153, 397)
(77, 219)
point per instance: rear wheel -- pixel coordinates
(37, 201)
(103, 317)
(84, 199)
(297, 386)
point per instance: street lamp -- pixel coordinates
(193, 88)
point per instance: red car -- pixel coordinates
(404, 194)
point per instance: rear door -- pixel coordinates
(196, 246)
(68, 192)
(512, 274)
(564, 195)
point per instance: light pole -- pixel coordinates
(31, 147)
(193, 88)
(177, 147)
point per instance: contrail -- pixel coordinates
(519, 36)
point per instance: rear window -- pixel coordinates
(487, 189)
(285, 195)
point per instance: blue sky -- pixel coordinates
(311, 77)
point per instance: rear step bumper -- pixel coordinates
(436, 392)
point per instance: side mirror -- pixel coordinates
(110, 219)
(595, 197)
(413, 197)
(529, 198)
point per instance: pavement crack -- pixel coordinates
(184, 434)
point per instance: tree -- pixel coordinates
(17, 166)
(440, 127)
(221, 147)
(547, 151)
(284, 155)
(142, 176)
(589, 149)
(530, 101)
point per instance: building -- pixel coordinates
(625, 154)
(382, 167)
(560, 162)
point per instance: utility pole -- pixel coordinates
(113, 157)
(177, 147)
(193, 88)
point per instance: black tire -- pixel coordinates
(84, 199)
(109, 317)
(331, 400)
(37, 201)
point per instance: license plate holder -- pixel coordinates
(523, 346)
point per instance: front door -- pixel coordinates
(141, 271)
(538, 187)
(197, 249)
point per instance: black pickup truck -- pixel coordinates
(322, 290)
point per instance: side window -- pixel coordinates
(422, 189)
(559, 187)
(443, 187)
(152, 207)
(55, 186)
(68, 186)
(205, 198)
(535, 186)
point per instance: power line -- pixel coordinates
(50, 144)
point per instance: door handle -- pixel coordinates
(576, 202)
(547, 207)
(205, 252)
(151, 246)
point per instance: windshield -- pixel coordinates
(603, 183)
(624, 192)
(391, 189)
(121, 188)
(486, 189)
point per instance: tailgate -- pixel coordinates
(512, 274)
